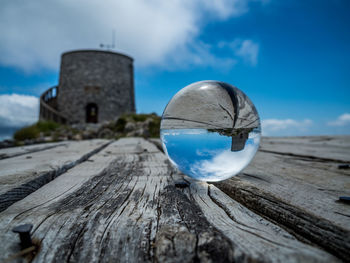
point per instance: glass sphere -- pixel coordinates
(210, 130)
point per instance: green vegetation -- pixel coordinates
(30, 132)
(139, 117)
(154, 127)
(153, 123)
(120, 124)
(47, 126)
(33, 131)
(145, 125)
(134, 117)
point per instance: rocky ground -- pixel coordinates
(131, 125)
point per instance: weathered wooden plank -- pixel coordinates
(23, 174)
(250, 232)
(329, 148)
(113, 216)
(122, 205)
(20, 150)
(299, 192)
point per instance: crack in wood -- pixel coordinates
(255, 176)
(342, 214)
(75, 241)
(319, 231)
(213, 243)
(303, 157)
(224, 208)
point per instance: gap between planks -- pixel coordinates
(24, 173)
(21, 150)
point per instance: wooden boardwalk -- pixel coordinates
(121, 201)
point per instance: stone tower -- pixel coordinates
(94, 86)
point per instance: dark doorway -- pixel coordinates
(91, 113)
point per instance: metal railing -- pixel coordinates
(48, 107)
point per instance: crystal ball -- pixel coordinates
(210, 130)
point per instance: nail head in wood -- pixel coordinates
(344, 199)
(343, 166)
(24, 234)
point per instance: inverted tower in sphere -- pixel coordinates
(94, 86)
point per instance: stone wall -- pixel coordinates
(101, 77)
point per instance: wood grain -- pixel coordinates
(126, 204)
(327, 148)
(16, 151)
(23, 174)
(299, 192)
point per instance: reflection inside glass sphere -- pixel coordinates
(210, 130)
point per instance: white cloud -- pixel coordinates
(342, 120)
(222, 166)
(284, 126)
(35, 33)
(18, 110)
(246, 49)
(198, 54)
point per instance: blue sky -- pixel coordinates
(292, 58)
